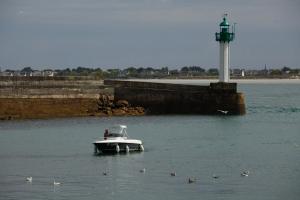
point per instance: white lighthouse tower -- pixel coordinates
(224, 37)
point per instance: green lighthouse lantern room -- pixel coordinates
(224, 35)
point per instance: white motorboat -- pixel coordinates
(116, 140)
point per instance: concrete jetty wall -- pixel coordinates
(163, 98)
(37, 108)
(43, 97)
(39, 97)
(28, 99)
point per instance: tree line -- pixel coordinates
(149, 72)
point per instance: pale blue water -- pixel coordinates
(266, 141)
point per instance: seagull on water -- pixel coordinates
(215, 176)
(223, 111)
(143, 170)
(29, 179)
(104, 173)
(56, 183)
(173, 173)
(191, 180)
(245, 173)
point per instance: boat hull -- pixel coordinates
(112, 147)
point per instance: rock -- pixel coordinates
(125, 109)
(118, 112)
(108, 112)
(107, 106)
(111, 98)
(122, 103)
(104, 100)
(140, 109)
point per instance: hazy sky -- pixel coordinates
(149, 33)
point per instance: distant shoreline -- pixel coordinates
(207, 81)
(267, 81)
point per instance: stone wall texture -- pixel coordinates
(37, 108)
(40, 97)
(161, 98)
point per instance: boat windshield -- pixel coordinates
(117, 131)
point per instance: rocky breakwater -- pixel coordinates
(108, 107)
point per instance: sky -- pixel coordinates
(146, 33)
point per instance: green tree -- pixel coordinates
(131, 71)
(27, 70)
(286, 69)
(275, 72)
(213, 71)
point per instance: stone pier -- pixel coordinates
(165, 98)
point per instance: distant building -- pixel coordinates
(22, 73)
(243, 73)
(7, 73)
(238, 72)
(235, 72)
(48, 72)
(17, 73)
(36, 73)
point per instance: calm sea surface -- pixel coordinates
(266, 141)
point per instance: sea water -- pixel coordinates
(265, 141)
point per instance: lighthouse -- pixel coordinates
(224, 37)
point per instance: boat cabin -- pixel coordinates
(117, 131)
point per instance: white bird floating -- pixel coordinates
(245, 173)
(143, 170)
(223, 111)
(29, 179)
(56, 183)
